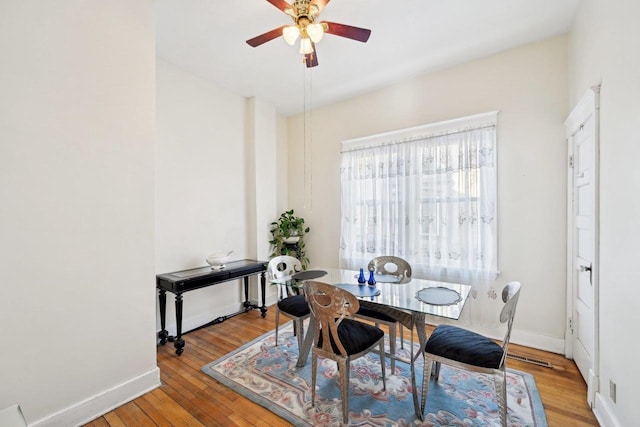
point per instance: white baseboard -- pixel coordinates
(604, 414)
(271, 299)
(192, 322)
(201, 318)
(541, 342)
(528, 339)
(102, 403)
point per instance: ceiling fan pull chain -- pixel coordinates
(307, 111)
(311, 138)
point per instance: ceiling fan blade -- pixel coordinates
(311, 59)
(321, 4)
(280, 4)
(354, 33)
(263, 38)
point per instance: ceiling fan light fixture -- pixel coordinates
(291, 34)
(305, 46)
(315, 32)
(308, 28)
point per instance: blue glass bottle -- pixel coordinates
(361, 279)
(372, 279)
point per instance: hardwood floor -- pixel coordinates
(188, 397)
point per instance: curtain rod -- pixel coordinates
(415, 138)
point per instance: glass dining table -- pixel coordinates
(409, 303)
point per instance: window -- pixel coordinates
(425, 194)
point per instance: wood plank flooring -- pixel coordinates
(188, 397)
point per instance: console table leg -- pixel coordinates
(263, 288)
(247, 303)
(163, 334)
(179, 342)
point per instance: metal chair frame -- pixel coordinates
(330, 305)
(280, 269)
(403, 272)
(510, 295)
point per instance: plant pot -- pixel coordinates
(292, 239)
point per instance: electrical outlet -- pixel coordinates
(612, 391)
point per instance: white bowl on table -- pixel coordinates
(218, 260)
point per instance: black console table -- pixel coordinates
(179, 282)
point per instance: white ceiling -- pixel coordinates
(408, 38)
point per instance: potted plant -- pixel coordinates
(287, 237)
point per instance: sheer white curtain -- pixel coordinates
(427, 195)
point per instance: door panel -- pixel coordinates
(584, 295)
(583, 246)
(582, 284)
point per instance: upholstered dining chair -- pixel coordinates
(338, 336)
(468, 350)
(387, 266)
(290, 302)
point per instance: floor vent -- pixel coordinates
(530, 360)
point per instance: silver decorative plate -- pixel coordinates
(438, 295)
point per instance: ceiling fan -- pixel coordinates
(305, 16)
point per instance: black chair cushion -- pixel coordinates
(296, 306)
(464, 346)
(375, 314)
(355, 336)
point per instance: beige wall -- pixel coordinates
(201, 181)
(604, 49)
(528, 85)
(76, 213)
(217, 173)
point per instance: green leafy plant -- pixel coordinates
(287, 237)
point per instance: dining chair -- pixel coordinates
(468, 350)
(338, 336)
(290, 302)
(388, 266)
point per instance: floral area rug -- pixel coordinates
(268, 375)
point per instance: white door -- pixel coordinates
(582, 284)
